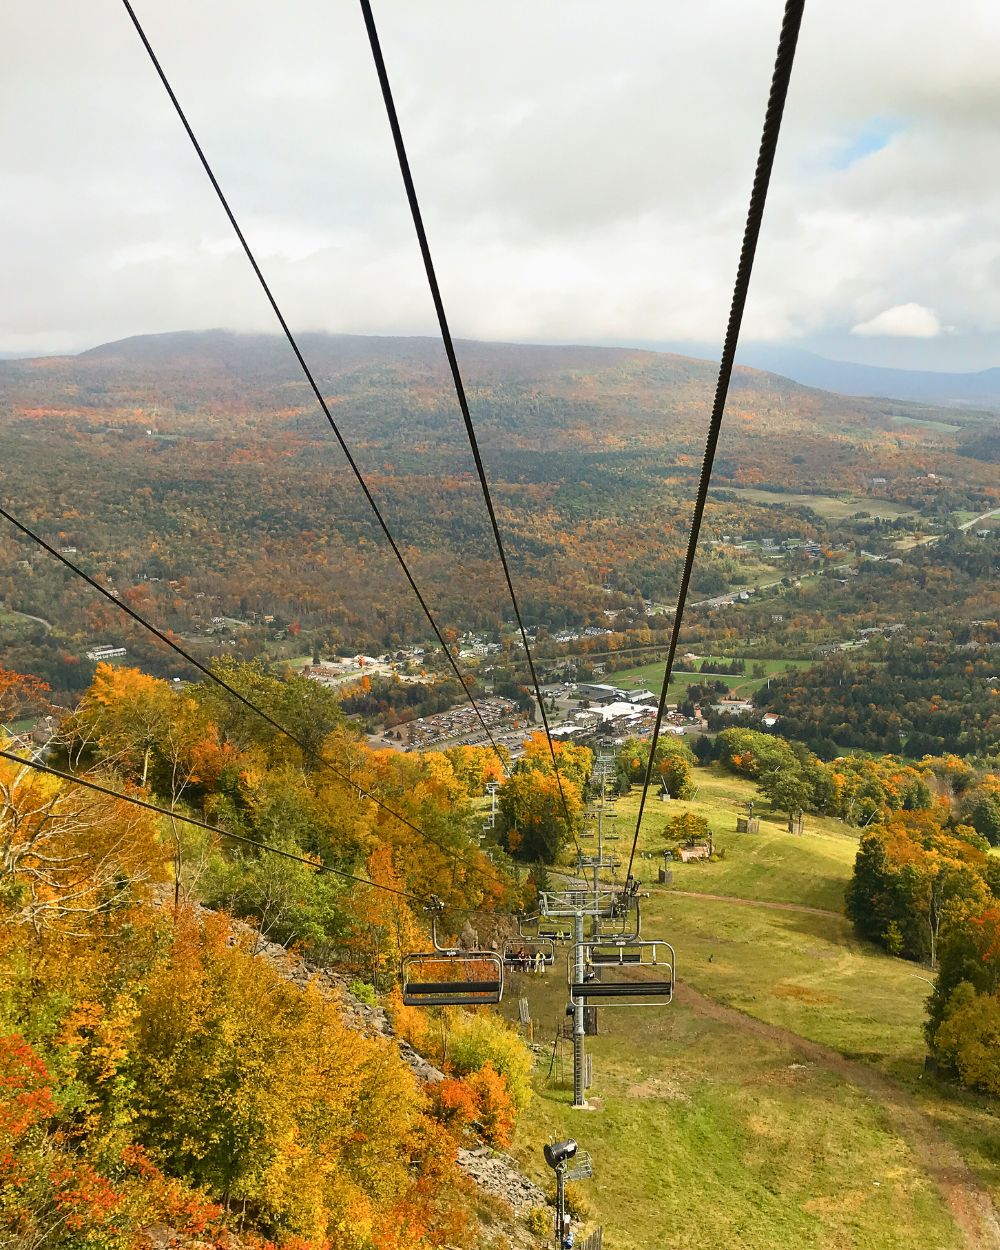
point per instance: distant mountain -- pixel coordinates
(951, 390)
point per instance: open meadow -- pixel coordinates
(832, 507)
(811, 870)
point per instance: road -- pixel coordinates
(28, 617)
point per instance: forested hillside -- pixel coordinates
(920, 698)
(153, 1072)
(194, 475)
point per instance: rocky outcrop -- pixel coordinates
(500, 1176)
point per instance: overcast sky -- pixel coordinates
(583, 167)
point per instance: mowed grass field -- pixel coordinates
(16, 626)
(650, 676)
(714, 1125)
(772, 865)
(706, 1136)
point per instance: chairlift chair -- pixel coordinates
(451, 977)
(526, 922)
(624, 924)
(516, 951)
(622, 973)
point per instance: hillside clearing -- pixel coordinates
(832, 507)
(811, 869)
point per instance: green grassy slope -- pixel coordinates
(715, 1123)
(812, 869)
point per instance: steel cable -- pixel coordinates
(456, 373)
(784, 61)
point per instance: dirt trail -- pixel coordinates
(758, 902)
(970, 1203)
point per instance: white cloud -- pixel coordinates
(905, 321)
(579, 178)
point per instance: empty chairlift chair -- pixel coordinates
(622, 972)
(625, 922)
(451, 977)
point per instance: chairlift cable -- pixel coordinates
(202, 824)
(225, 685)
(456, 373)
(784, 60)
(310, 378)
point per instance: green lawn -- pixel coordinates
(945, 427)
(773, 864)
(715, 1130)
(15, 627)
(650, 676)
(800, 971)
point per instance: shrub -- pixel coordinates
(495, 1108)
(577, 1203)
(482, 1038)
(364, 993)
(410, 1023)
(454, 1103)
(540, 1221)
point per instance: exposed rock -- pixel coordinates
(500, 1176)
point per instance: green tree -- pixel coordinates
(983, 812)
(675, 773)
(786, 787)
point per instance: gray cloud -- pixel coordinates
(583, 168)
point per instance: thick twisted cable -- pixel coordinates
(783, 63)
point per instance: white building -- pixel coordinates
(106, 653)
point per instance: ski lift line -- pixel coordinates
(307, 372)
(784, 60)
(202, 824)
(456, 373)
(221, 682)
